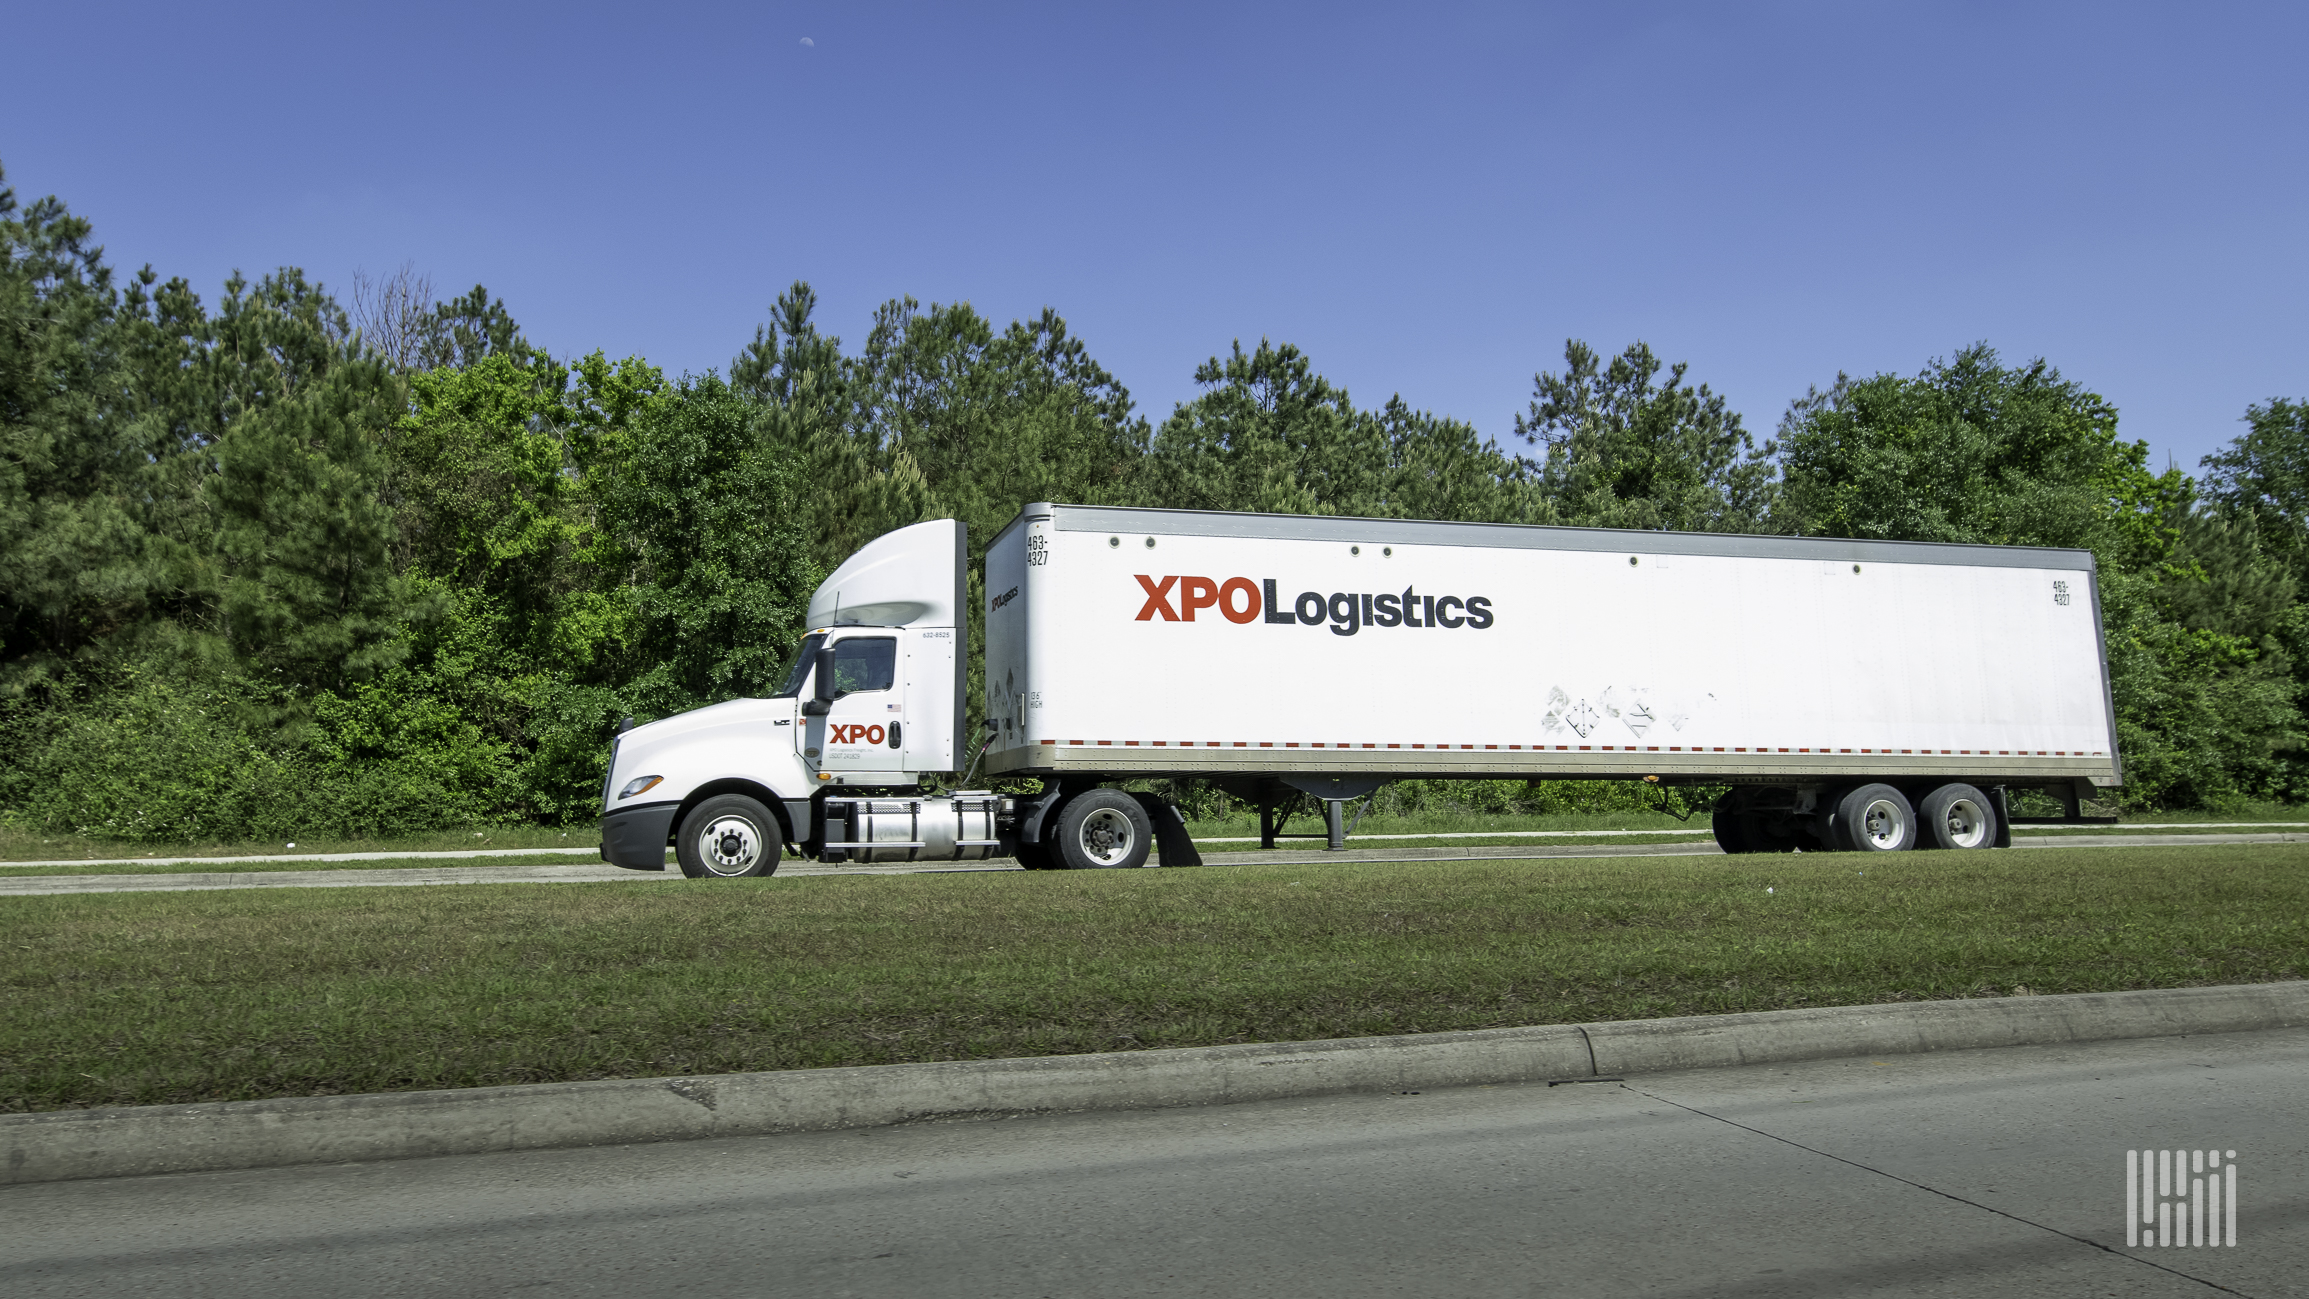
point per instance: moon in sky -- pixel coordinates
(807, 41)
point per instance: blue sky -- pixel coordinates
(1428, 199)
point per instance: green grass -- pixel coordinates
(1242, 825)
(115, 999)
(227, 868)
(32, 845)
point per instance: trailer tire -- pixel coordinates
(1956, 816)
(1875, 818)
(1772, 832)
(1102, 829)
(1732, 830)
(729, 836)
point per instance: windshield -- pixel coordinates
(799, 670)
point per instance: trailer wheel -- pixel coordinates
(1103, 829)
(1956, 816)
(1772, 832)
(1731, 830)
(1876, 818)
(727, 837)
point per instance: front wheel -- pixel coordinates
(1103, 829)
(729, 836)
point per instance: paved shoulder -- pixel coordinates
(1963, 1173)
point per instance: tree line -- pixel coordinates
(280, 562)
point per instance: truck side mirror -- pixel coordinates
(822, 690)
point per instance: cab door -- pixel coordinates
(858, 740)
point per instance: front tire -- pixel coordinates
(1103, 829)
(1956, 816)
(1875, 818)
(729, 836)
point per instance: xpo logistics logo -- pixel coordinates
(1347, 612)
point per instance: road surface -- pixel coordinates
(1964, 1173)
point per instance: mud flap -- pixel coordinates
(1172, 842)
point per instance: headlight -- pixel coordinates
(639, 785)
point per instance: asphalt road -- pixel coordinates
(1966, 1173)
(590, 873)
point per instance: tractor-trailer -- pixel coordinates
(1850, 694)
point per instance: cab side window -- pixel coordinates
(865, 663)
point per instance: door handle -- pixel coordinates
(893, 735)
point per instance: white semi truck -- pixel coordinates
(1863, 695)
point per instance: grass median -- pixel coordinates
(119, 999)
(589, 857)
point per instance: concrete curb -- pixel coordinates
(72, 1144)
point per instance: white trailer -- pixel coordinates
(1851, 694)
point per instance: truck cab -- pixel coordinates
(871, 705)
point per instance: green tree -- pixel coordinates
(1440, 468)
(1270, 434)
(2265, 473)
(1623, 450)
(697, 522)
(78, 561)
(1968, 450)
(305, 587)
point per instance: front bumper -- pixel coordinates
(635, 837)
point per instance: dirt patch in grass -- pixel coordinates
(119, 999)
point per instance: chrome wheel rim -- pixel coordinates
(1967, 823)
(1881, 824)
(1106, 837)
(729, 845)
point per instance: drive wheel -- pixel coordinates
(1032, 856)
(729, 836)
(1103, 829)
(1875, 818)
(1956, 816)
(1731, 830)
